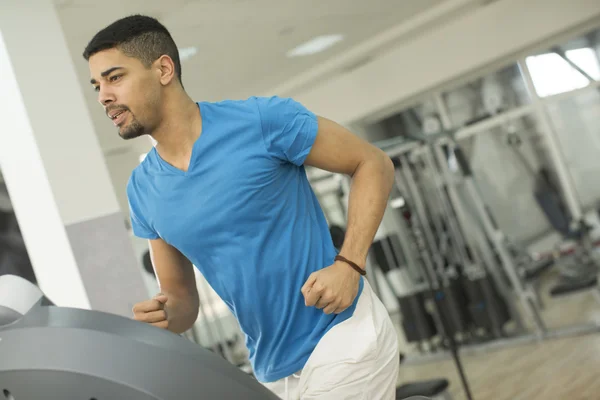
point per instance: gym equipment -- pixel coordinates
(579, 271)
(426, 247)
(66, 353)
(496, 237)
(457, 252)
(13, 307)
(435, 389)
(587, 266)
(490, 304)
(468, 310)
(417, 323)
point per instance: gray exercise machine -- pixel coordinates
(65, 353)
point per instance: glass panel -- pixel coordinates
(552, 74)
(570, 66)
(505, 161)
(563, 68)
(575, 120)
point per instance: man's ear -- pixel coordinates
(165, 68)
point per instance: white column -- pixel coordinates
(54, 168)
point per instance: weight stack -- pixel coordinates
(454, 304)
(487, 308)
(418, 325)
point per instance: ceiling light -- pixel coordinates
(315, 45)
(187, 52)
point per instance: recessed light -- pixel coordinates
(315, 45)
(187, 52)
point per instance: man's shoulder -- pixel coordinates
(249, 101)
(254, 104)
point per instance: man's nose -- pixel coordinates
(105, 97)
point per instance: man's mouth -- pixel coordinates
(118, 116)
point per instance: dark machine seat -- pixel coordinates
(429, 388)
(537, 268)
(573, 285)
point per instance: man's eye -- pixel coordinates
(96, 88)
(114, 78)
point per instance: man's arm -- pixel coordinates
(335, 149)
(338, 150)
(177, 282)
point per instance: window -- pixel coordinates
(551, 74)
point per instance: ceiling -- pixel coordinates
(241, 45)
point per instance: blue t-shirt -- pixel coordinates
(245, 215)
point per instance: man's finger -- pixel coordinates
(161, 324)
(161, 298)
(325, 300)
(311, 298)
(152, 317)
(331, 307)
(308, 284)
(148, 305)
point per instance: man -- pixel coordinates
(225, 190)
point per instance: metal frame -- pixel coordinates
(537, 108)
(525, 295)
(554, 151)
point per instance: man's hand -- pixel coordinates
(153, 311)
(332, 289)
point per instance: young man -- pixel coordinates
(225, 190)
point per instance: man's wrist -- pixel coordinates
(351, 264)
(356, 257)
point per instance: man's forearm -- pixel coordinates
(182, 312)
(369, 193)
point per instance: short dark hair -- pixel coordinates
(137, 36)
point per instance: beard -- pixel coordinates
(132, 130)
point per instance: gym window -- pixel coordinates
(551, 74)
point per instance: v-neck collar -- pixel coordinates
(195, 146)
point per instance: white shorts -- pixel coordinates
(356, 359)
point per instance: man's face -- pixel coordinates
(128, 91)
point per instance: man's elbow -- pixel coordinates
(183, 324)
(183, 310)
(378, 165)
(389, 169)
(385, 167)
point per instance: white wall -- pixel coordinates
(485, 37)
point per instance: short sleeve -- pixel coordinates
(289, 129)
(138, 223)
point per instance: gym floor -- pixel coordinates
(552, 369)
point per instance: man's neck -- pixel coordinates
(179, 130)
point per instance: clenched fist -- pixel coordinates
(153, 311)
(332, 289)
